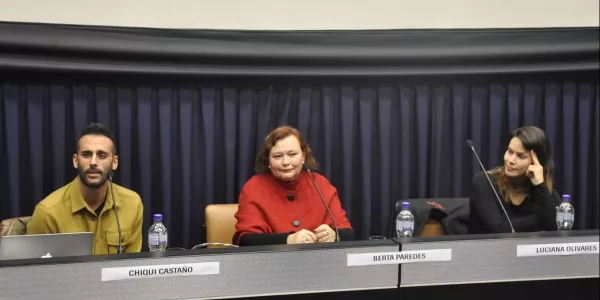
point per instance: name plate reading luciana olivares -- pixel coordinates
(557, 249)
(141, 272)
(403, 257)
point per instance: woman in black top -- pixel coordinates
(524, 184)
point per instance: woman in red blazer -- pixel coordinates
(280, 205)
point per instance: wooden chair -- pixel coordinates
(433, 228)
(220, 223)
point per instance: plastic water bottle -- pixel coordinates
(405, 221)
(565, 214)
(157, 235)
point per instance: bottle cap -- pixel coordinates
(405, 205)
(566, 197)
(158, 217)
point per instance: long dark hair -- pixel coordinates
(532, 138)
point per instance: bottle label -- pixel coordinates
(564, 217)
(153, 239)
(157, 239)
(162, 239)
(407, 225)
(559, 217)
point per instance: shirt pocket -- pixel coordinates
(112, 239)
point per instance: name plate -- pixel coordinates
(557, 249)
(141, 272)
(402, 257)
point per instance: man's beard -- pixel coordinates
(93, 185)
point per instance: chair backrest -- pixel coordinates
(14, 226)
(436, 210)
(220, 222)
(433, 228)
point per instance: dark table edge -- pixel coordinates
(285, 248)
(203, 251)
(497, 236)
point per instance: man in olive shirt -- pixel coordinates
(86, 204)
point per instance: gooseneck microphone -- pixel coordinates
(112, 192)
(337, 233)
(470, 145)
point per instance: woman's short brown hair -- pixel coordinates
(262, 158)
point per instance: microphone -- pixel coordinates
(112, 192)
(291, 197)
(470, 145)
(337, 233)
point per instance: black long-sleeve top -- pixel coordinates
(537, 212)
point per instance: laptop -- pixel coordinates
(46, 245)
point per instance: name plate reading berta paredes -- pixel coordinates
(141, 272)
(557, 249)
(403, 257)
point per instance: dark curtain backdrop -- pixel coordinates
(184, 144)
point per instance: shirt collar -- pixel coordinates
(77, 201)
(287, 186)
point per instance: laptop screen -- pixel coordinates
(46, 245)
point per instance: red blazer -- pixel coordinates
(264, 206)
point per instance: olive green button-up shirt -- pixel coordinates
(65, 211)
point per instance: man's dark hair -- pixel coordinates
(97, 129)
